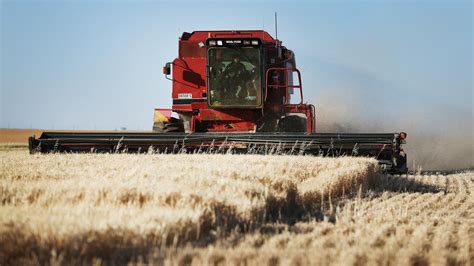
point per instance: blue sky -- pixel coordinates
(97, 64)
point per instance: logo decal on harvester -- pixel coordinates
(185, 96)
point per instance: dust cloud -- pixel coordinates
(439, 138)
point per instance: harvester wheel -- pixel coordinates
(292, 123)
(268, 123)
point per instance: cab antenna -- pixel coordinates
(276, 26)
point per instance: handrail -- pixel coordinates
(286, 86)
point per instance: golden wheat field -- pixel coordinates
(205, 209)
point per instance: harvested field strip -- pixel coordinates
(437, 232)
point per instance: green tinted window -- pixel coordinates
(234, 77)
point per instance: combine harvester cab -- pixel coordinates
(234, 91)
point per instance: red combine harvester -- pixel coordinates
(239, 92)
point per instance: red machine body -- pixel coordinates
(275, 103)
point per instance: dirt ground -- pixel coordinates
(17, 136)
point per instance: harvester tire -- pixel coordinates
(292, 123)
